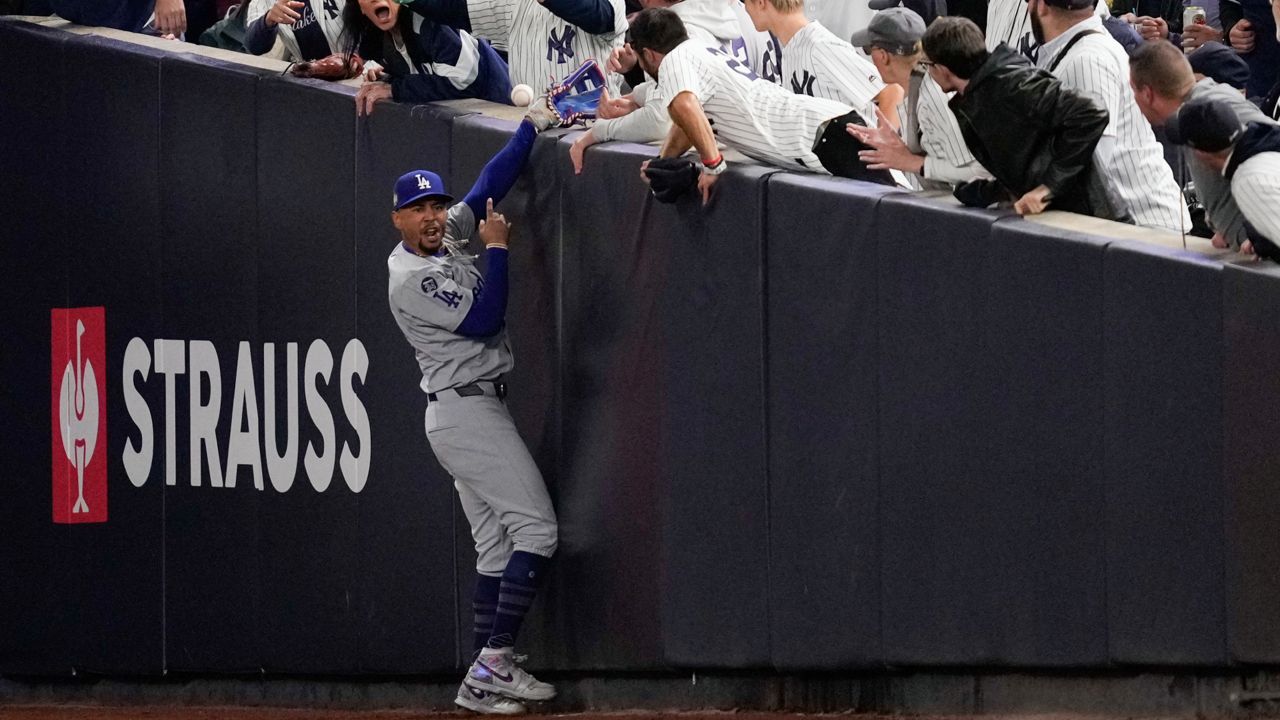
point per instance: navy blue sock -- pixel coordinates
(485, 606)
(520, 584)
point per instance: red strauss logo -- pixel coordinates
(79, 350)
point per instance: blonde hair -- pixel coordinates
(787, 6)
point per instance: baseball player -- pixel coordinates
(1076, 49)
(817, 63)
(929, 143)
(711, 95)
(453, 317)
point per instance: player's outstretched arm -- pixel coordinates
(594, 16)
(502, 171)
(489, 306)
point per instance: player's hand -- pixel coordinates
(577, 151)
(1034, 202)
(610, 108)
(1197, 35)
(494, 228)
(622, 59)
(1242, 36)
(888, 151)
(283, 12)
(1219, 241)
(171, 17)
(705, 184)
(1152, 28)
(369, 94)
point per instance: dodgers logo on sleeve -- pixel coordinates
(429, 285)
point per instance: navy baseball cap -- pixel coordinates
(926, 9)
(896, 29)
(417, 184)
(1205, 124)
(1221, 64)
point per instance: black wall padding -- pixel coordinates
(35, 555)
(310, 592)
(1251, 382)
(113, 225)
(713, 423)
(822, 327)
(1041, 329)
(1163, 357)
(209, 169)
(615, 470)
(406, 528)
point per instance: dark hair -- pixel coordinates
(657, 29)
(957, 44)
(1163, 69)
(361, 35)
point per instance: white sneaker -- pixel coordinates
(485, 702)
(495, 671)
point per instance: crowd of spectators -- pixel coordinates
(1132, 110)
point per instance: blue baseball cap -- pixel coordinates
(1206, 124)
(417, 184)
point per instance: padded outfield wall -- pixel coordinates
(821, 425)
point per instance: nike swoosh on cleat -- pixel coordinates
(504, 678)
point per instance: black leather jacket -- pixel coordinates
(1028, 130)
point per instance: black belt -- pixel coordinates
(472, 390)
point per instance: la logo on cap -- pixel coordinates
(423, 183)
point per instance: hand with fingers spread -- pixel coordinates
(171, 17)
(611, 108)
(495, 231)
(888, 150)
(284, 12)
(621, 60)
(369, 94)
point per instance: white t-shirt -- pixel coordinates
(755, 117)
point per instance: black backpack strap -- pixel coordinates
(1070, 44)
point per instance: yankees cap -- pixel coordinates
(928, 10)
(896, 29)
(417, 184)
(1205, 124)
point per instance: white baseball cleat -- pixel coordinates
(486, 703)
(495, 671)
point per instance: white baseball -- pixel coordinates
(521, 95)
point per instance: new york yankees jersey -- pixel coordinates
(1256, 188)
(929, 127)
(544, 48)
(430, 297)
(316, 34)
(755, 117)
(1009, 22)
(760, 51)
(1128, 155)
(819, 64)
(491, 20)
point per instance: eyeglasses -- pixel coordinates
(926, 64)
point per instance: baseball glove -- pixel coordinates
(337, 66)
(669, 178)
(575, 98)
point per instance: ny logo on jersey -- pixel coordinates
(331, 9)
(803, 86)
(423, 183)
(561, 45)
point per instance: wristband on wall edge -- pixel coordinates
(715, 167)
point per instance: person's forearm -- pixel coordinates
(693, 129)
(258, 37)
(648, 124)
(593, 16)
(488, 312)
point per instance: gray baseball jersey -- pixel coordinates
(754, 116)
(818, 63)
(1128, 156)
(544, 48)
(430, 297)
